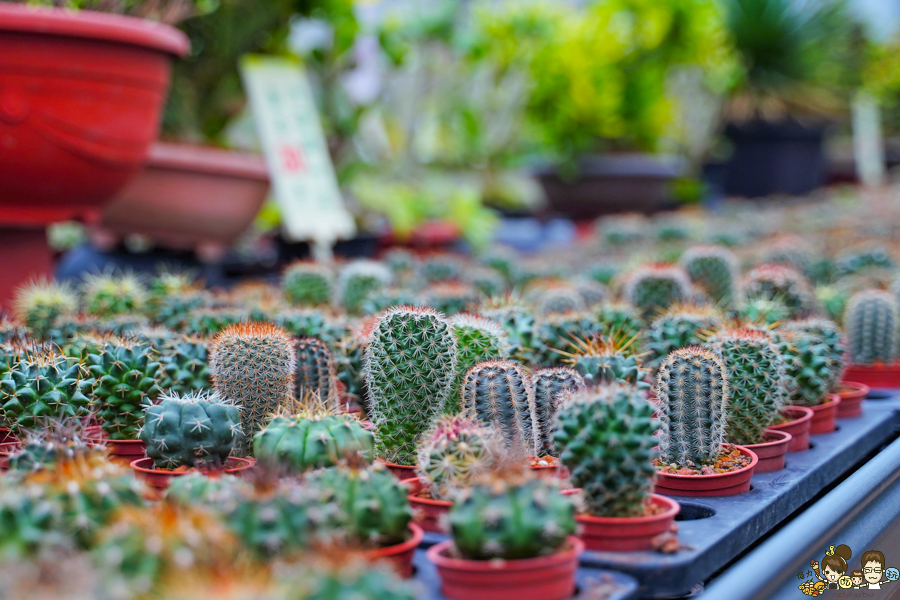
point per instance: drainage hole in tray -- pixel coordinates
(878, 395)
(693, 512)
(812, 445)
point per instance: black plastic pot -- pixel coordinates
(785, 157)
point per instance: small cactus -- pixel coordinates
(315, 372)
(560, 300)
(654, 288)
(778, 282)
(551, 385)
(450, 298)
(499, 393)
(679, 327)
(715, 270)
(835, 348)
(185, 365)
(107, 295)
(40, 303)
(207, 322)
(555, 334)
(871, 322)
(307, 284)
(518, 323)
(357, 280)
(477, 339)
(453, 453)
(43, 385)
(608, 360)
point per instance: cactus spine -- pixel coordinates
(499, 393)
(43, 385)
(108, 295)
(550, 384)
(315, 372)
(871, 322)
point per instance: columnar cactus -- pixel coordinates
(550, 385)
(358, 279)
(835, 347)
(678, 327)
(871, 322)
(778, 282)
(410, 369)
(608, 360)
(43, 385)
(253, 364)
(185, 365)
(107, 295)
(453, 453)
(757, 379)
(307, 284)
(715, 270)
(499, 393)
(315, 372)
(520, 518)
(692, 388)
(563, 299)
(606, 439)
(127, 376)
(194, 430)
(40, 303)
(654, 288)
(477, 339)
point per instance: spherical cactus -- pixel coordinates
(195, 430)
(692, 389)
(410, 369)
(174, 310)
(835, 347)
(441, 268)
(207, 322)
(518, 323)
(556, 335)
(309, 322)
(678, 327)
(871, 322)
(654, 288)
(358, 279)
(450, 298)
(715, 270)
(616, 319)
(608, 360)
(499, 393)
(108, 295)
(477, 339)
(315, 372)
(809, 377)
(777, 282)
(761, 311)
(606, 438)
(550, 385)
(40, 303)
(453, 453)
(592, 292)
(511, 520)
(382, 299)
(757, 379)
(127, 377)
(307, 284)
(185, 365)
(44, 385)
(559, 300)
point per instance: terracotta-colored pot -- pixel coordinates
(543, 578)
(401, 472)
(825, 416)
(720, 484)
(429, 514)
(878, 375)
(852, 395)
(550, 471)
(626, 534)
(190, 197)
(161, 478)
(799, 419)
(119, 451)
(771, 453)
(399, 556)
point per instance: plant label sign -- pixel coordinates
(303, 177)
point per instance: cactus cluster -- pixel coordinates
(453, 453)
(43, 385)
(185, 365)
(871, 322)
(551, 385)
(500, 395)
(307, 284)
(715, 270)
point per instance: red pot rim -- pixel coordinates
(143, 465)
(744, 450)
(851, 390)
(105, 440)
(878, 366)
(672, 509)
(396, 466)
(807, 415)
(410, 544)
(205, 159)
(93, 25)
(783, 437)
(427, 501)
(437, 555)
(826, 406)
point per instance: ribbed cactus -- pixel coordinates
(835, 347)
(43, 385)
(127, 376)
(410, 369)
(523, 518)
(563, 299)
(185, 365)
(499, 393)
(715, 270)
(778, 282)
(453, 453)
(608, 360)
(315, 372)
(195, 430)
(606, 439)
(253, 364)
(40, 303)
(107, 294)
(757, 379)
(357, 280)
(654, 288)
(871, 322)
(692, 389)
(550, 385)
(809, 377)
(477, 339)
(307, 284)
(678, 327)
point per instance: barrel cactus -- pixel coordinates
(616, 319)
(307, 284)
(835, 347)
(43, 385)
(499, 394)
(185, 365)
(38, 304)
(692, 389)
(477, 339)
(453, 453)
(871, 322)
(806, 362)
(561, 299)
(550, 384)
(715, 270)
(606, 439)
(357, 280)
(778, 282)
(315, 372)
(108, 294)
(678, 327)
(654, 288)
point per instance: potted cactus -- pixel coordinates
(606, 438)
(811, 378)
(871, 323)
(692, 390)
(511, 540)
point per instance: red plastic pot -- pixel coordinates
(399, 556)
(878, 375)
(825, 416)
(190, 197)
(429, 514)
(401, 472)
(543, 578)
(161, 478)
(627, 534)
(720, 484)
(852, 395)
(799, 419)
(771, 453)
(120, 451)
(6, 435)
(550, 471)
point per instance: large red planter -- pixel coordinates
(190, 197)
(160, 479)
(399, 556)
(627, 534)
(825, 416)
(720, 484)
(544, 578)
(798, 422)
(875, 376)
(771, 453)
(852, 395)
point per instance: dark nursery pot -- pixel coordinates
(542, 578)
(429, 513)
(852, 395)
(825, 416)
(878, 375)
(398, 556)
(720, 484)
(627, 534)
(799, 420)
(401, 472)
(772, 452)
(160, 479)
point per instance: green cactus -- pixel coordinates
(715, 270)
(617, 318)
(350, 365)
(201, 489)
(592, 292)
(551, 385)
(871, 322)
(315, 372)
(777, 282)
(44, 385)
(511, 520)
(556, 335)
(806, 362)
(858, 261)
(309, 322)
(107, 295)
(127, 376)
(208, 322)
(410, 369)
(833, 301)
(165, 285)
(758, 381)
(174, 310)
(679, 327)
(384, 298)
(357, 280)
(450, 298)
(560, 300)
(12, 331)
(66, 327)
(762, 312)
(356, 581)
(499, 394)
(652, 289)
(185, 365)
(608, 360)
(835, 348)
(400, 261)
(307, 284)
(606, 439)
(40, 303)
(196, 430)
(518, 323)
(253, 364)
(453, 453)
(692, 388)
(477, 339)
(441, 268)
(488, 282)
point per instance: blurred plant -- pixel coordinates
(163, 11)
